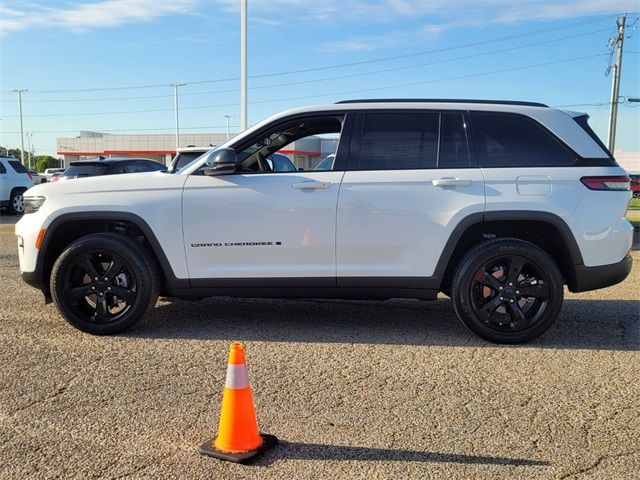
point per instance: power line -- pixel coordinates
(340, 77)
(421, 82)
(348, 64)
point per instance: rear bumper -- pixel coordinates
(592, 278)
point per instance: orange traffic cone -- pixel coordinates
(238, 439)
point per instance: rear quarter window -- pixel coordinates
(512, 140)
(17, 166)
(2, 169)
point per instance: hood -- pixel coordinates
(106, 183)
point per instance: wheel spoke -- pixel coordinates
(114, 269)
(517, 315)
(87, 265)
(101, 309)
(515, 267)
(488, 280)
(540, 290)
(485, 311)
(124, 293)
(76, 293)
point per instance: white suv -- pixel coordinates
(496, 204)
(14, 181)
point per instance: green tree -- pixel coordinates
(42, 162)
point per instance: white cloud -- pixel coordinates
(97, 14)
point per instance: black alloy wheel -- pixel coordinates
(507, 291)
(100, 284)
(510, 293)
(104, 283)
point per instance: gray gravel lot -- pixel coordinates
(353, 389)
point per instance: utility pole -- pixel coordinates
(228, 117)
(29, 135)
(175, 101)
(19, 92)
(618, 41)
(243, 65)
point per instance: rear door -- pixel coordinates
(411, 179)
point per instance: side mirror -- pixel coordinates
(224, 161)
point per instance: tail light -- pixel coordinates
(616, 183)
(30, 176)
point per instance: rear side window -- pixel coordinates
(17, 166)
(454, 147)
(508, 140)
(85, 170)
(398, 141)
(142, 166)
(2, 169)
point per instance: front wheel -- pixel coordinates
(507, 291)
(104, 283)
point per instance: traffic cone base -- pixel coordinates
(208, 448)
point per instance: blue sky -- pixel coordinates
(76, 58)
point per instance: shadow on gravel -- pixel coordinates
(315, 451)
(583, 324)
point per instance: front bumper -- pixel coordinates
(592, 278)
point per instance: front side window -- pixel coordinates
(304, 135)
(510, 140)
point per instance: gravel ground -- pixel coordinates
(353, 389)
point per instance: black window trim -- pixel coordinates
(358, 124)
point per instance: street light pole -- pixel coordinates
(175, 99)
(243, 65)
(19, 92)
(29, 135)
(228, 117)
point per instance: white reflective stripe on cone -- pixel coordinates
(237, 376)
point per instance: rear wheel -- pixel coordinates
(104, 283)
(16, 202)
(507, 291)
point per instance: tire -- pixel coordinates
(130, 271)
(16, 202)
(507, 291)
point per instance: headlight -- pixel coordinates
(33, 204)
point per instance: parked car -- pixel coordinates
(55, 177)
(184, 156)
(326, 163)
(37, 178)
(496, 204)
(14, 181)
(49, 172)
(635, 184)
(109, 166)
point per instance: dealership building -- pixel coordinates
(305, 153)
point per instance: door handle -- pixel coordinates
(311, 185)
(451, 182)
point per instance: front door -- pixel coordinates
(261, 223)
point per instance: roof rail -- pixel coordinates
(443, 100)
